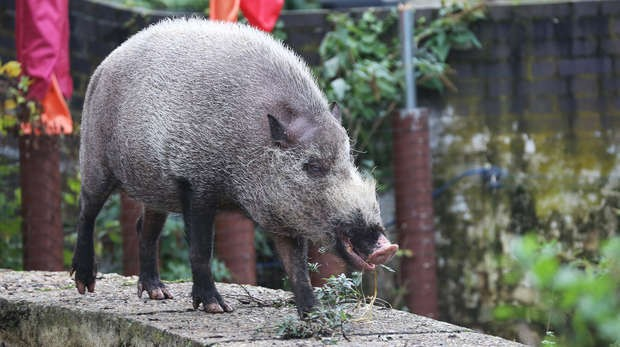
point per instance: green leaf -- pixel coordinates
(331, 67)
(387, 268)
(24, 84)
(340, 88)
(505, 312)
(545, 270)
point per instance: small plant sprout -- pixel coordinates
(314, 267)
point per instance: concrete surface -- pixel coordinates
(44, 309)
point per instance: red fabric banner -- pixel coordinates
(262, 14)
(42, 42)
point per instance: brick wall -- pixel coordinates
(539, 61)
(7, 24)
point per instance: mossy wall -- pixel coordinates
(539, 103)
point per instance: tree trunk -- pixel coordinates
(130, 212)
(414, 210)
(39, 160)
(234, 245)
(329, 264)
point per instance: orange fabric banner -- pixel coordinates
(56, 118)
(224, 10)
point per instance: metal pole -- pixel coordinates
(413, 187)
(407, 21)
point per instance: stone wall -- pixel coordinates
(44, 309)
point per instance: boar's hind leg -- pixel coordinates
(198, 216)
(294, 255)
(94, 193)
(149, 228)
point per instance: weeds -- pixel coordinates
(327, 321)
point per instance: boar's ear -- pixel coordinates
(335, 111)
(278, 132)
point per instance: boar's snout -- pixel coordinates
(384, 251)
(365, 247)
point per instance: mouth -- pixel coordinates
(353, 256)
(383, 252)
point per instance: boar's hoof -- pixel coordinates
(305, 303)
(304, 313)
(82, 286)
(84, 280)
(155, 289)
(214, 304)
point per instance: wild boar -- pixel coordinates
(193, 116)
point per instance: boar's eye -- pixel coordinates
(314, 168)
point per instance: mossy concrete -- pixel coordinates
(44, 309)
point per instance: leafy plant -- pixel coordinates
(361, 70)
(330, 315)
(435, 40)
(340, 289)
(10, 222)
(575, 302)
(15, 107)
(70, 209)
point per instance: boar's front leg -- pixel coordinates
(294, 255)
(149, 228)
(198, 215)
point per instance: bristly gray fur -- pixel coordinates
(189, 98)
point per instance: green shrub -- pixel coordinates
(10, 222)
(329, 316)
(575, 302)
(361, 70)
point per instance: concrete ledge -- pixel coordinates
(44, 309)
